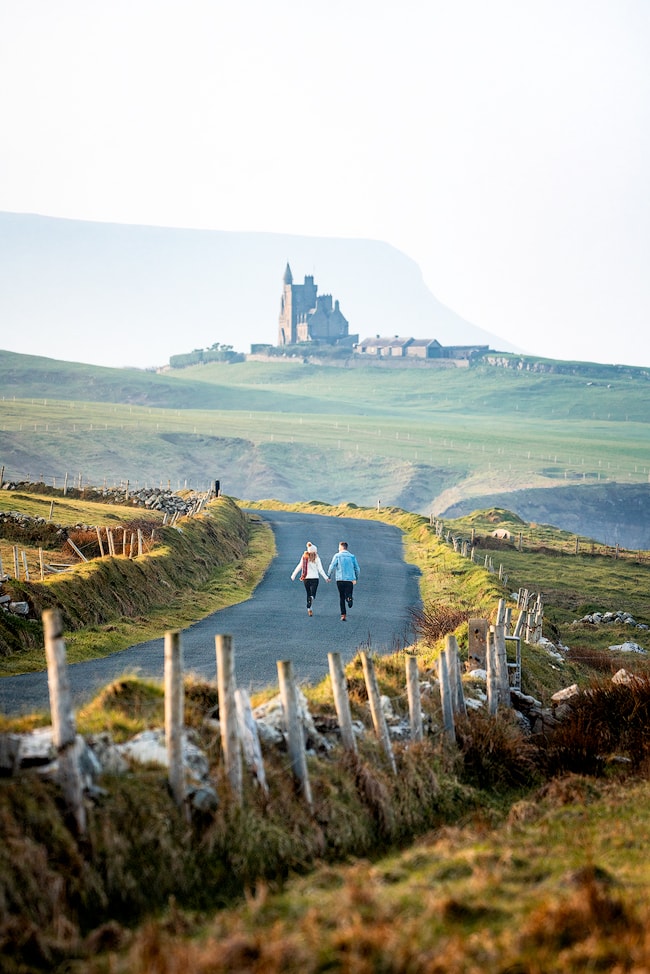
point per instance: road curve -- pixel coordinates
(272, 625)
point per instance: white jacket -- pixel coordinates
(314, 569)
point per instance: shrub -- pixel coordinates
(433, 620)
(494, 752)
(608, 720)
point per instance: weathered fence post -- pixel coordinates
(174, 714)
(228, 713)
(64, 734)
(413, 692)
(446, 698)
(455, 678)
(492, 680)
(250, 738)
(76, 550)
(99, 539)
(294, 729)
(16, 568)
(341, 702)
(378, 719)
(501, 660)
(41, 564)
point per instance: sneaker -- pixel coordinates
(309, 612)
(342, 618)
(349, 601)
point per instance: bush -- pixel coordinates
(494, 752)
(608, 721)
(434, 621)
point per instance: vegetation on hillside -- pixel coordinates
(107, 604)
(518, 852)
(418, 439)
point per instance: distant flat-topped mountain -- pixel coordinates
(111, 294)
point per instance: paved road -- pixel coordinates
(273, 624)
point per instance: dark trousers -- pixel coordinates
(345, 592)
(311, 584)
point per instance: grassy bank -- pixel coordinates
(199, 566)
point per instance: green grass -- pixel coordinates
(421, 434)
(111, 603)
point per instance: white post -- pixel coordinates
(64, 733)
(228, 713)
(413, 692)
(455, 677)
(446, 698)
(250, 738)
(174, 714)
(341, 702)
(293, 726)
(378, 719)
(491, 667)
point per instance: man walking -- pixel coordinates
(346, 568)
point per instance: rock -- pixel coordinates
(566, 694)
(623, 677)
(149, 747)
(204, 799)
(628, 648)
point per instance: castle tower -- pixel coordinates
(287, 323)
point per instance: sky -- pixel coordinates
(503, 145)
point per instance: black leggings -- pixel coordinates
(311, 584)
(345, 592)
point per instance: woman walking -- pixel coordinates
(310, 568)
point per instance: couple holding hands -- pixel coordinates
(346, 572)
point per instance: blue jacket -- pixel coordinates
(346, 565)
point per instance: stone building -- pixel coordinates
(306, 316)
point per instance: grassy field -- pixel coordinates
(291, 430)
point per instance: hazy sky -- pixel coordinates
(504, 145)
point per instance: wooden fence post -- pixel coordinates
(250, 738)
(341, 702)
(99, 539)
(16, 568)
(446, 698)
(413, 692)
(64, 733)
(378, 719)
(174, 714)
(492, 681)
(501, 659)
(41, 564)
(455, 678)
(228, 713)
(294, 729)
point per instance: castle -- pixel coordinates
(306, 316)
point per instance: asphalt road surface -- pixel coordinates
(272, 625)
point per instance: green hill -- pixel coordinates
(422, 439)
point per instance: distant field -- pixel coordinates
(411, 437)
